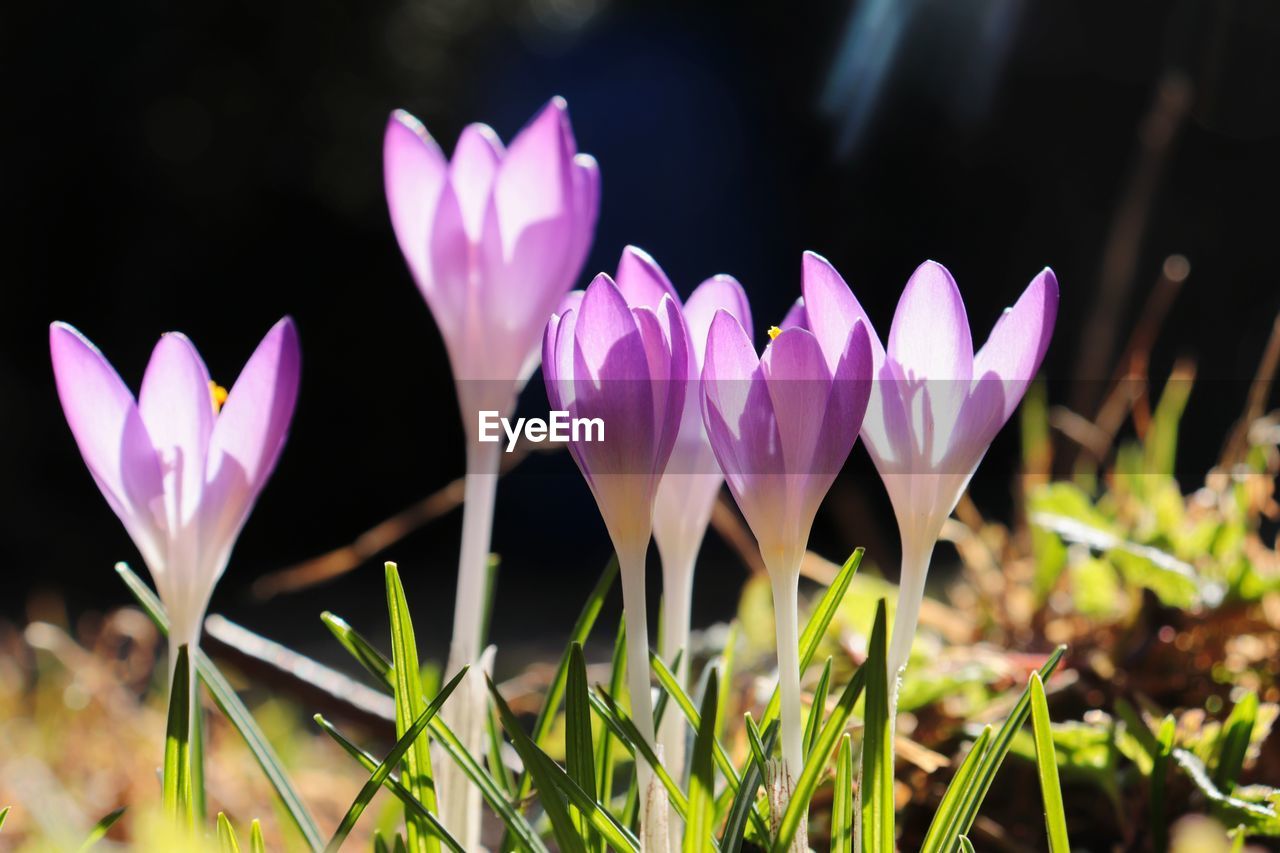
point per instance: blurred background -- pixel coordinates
(211, 166)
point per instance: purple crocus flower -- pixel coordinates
(687, 493)
(494, 238)
(782, 425)
(180, 467)
(936, 405)
(627, 368)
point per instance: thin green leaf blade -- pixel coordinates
(699, 824)
(1233, 742)
(99, 831)
(966, 846)
(579, 750)
(409, 707)
(227, 841)
(403, 747)
(817, 709)
(842, 800)
(359, 648)
(4, 813)
(1159, 775)
(256, 842)
(1047, 765)
(177, 743)
(743, 806)
(606, 707)
(948, 814)
(224, 695)
(877, 746)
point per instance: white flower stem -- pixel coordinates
(459, 800)
(915, 568)
(677, 604)
(786, 582)
(631, 563)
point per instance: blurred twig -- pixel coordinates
(1233, 451)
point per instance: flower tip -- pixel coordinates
(558, 103)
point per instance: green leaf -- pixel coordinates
(948, 814)
(556, 790)
(578, 749)
(360, 649)
(1256, 819)
(227, 700)
(1046, 764)
(625, 731)
(177, 744)
(817, 709)
(993, 757)
(227, 842)
(555, 691)
(816, 627)
(498, 768)
(4, 813)
(877, 746)
(744, 801)
(1233, 742)
(256, 842)
(402, 749)
(842, 800)
(198, 805)
(700, 821)
(409, 707)
(813, 770)
(1159, 772)
(604, 747)
(966, 845)
(99, 831)
(391, 783)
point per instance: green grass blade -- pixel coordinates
(518, 828)
(177, 744)
(391, 783)
(816, 627)
(1159, 775)
(556, 790)
(1055, 817)
(966, 846)
(198, 804)
(235, 711)
(700, 822)
(99, 831)
(1233, 742)
(498, 768)
(399, 846)
(604, 747)
(555, 691)
(625, 731)
(671, 687)
(812, 773)
(842, 800)
(994, 756)
(402, 749)
(4, 813)
(579, 751)
(817, 709)
(256, 842)
(227, 842)
(877, 746)
(360, 649)
(409, 707)
(743, 807)
(948, 813)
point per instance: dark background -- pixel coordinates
(209, 167)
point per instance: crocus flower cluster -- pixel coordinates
(494, 238)
(182, 465)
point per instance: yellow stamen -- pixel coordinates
(774, 331)
(218, 394)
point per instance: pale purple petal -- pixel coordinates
(846, 407)
(413, 172)
(795, 372)
(831, 310)
(642, 281)
(451, 259)
(586, 191)
(112, 438)
(930, 337)
(248, 435)
(1020, 339)
(716, 293)
(471, 172)
(177, 407)
(796, 317)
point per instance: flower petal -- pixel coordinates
(846, 407)
(112, 438)
(796, 316)
(716, 293)
(930, 336)
(795, 371)
(413, 173)
(1019, 340)
(471, 172)
(176, 404)
(642, 281)
(248, 435)
(831, 309)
